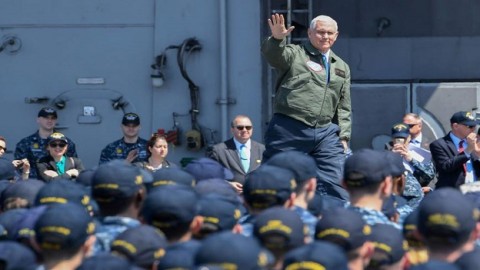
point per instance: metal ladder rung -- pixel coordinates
(293, 11)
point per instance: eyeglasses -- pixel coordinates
(61, 145)
(3, 148)
(244, 127)
(411, 125)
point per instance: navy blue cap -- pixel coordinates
(315, 205)
(63, 227)
(219, 211)
(25, 227)
(85, 177)
(436, 265)
(63, 191)
(131, 118)
(47, 111)
(447, 214)
(279, 228)
(409, 229)
(469, 260)
(104, 261)
(390, 247)
(17, 256)
(4, 184)
(215, 185)
(302, 165)
(207, 168)
(9, 220)
(268, 186)
(115, 180)
(233, 250)
(365, 167)
(142, 245)
(57, 136)
(180, 255)
(7, 170)
(464, 118)
(26, 189)
(319, 255)
(395, 161)
(172, 176)
(400, 130)
(167, 206)
(343, 227)
(391, 204)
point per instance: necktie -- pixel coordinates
(326, 66)
(460, 150)
(244, 158)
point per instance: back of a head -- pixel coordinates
(104, 261)
(390, 247)
(317, 255)
(302, 165)
(15, 256)
(172, 176)
(20, 194)
(446, 219)
(231, 251)
(220, 213)
(207, 168)
(115, 185)
(268, 186)
(171, 209)
(279, 230)
(62, 230)
(365, 170)
(10, 219)
(63, 191)
(141, 245)
(343, 227)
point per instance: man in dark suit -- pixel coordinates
(240, 154)
(455, 155)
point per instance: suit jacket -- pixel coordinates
(48, 163)
(449, 163)
(226, 154)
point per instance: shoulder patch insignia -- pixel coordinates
(340, 73)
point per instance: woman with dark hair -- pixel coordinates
(57, 165)
(157, 148)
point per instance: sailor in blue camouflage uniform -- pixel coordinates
(119, 192)
(367, 178)
(415, 170)
(304, 168)
(131, 147)
(34, 146)
(266, 187)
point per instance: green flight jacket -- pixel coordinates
(302, 91)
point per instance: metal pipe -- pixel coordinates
(223, 71)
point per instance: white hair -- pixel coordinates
(325, 19)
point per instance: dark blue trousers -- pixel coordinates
(323, 144)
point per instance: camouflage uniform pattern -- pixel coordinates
(109, 229)
(34, 147)
(413, 190)
(403, 212)
(308, 219)
(119, 150)
(247, 224)
(373, 217)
